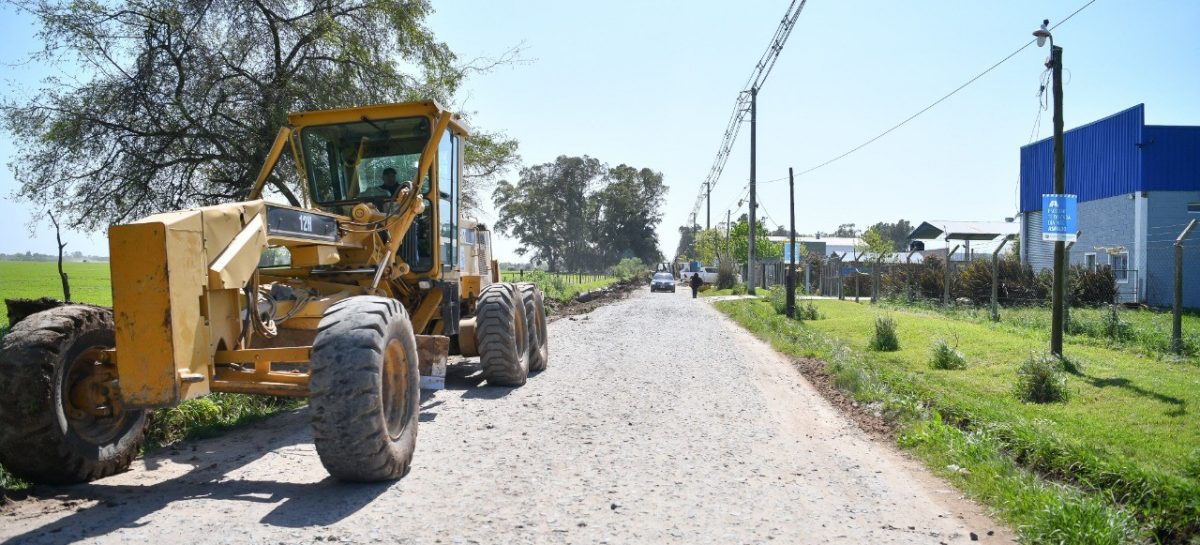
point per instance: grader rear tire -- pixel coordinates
(502, 335)
(61, 419)
(535, 317)
(365, 390)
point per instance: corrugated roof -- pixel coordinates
(1103, 159)
(964, 230)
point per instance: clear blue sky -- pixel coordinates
(653, 84)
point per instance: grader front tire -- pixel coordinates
(365, 390)
(502, 335)
(61, 419)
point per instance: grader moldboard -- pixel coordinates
(353, 302)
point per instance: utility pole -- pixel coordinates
(791, 272)
(727, 226)
(707, 206)
(1060, 253)
(753, 188)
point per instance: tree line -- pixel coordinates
(579, 214)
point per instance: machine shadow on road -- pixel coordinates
(466, 376)
(122, 506)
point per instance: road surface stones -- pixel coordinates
(660, 422)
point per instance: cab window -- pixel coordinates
(448, 173)
(346, 162)
(350, 163)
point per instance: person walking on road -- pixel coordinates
(695, 282)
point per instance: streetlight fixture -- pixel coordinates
(1043, 34)
(1060, 255)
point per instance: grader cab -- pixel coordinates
(352, 301)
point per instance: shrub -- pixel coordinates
(629, 269)
(807, 312)
(885, 339)
(726, 274)
(739, 289)
(1041, 379)
(945, 356)
(1114, 327)
(1092, 288)
(778, 299)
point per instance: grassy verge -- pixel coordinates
(1143, 330)
(561, 288)
(1120, 461)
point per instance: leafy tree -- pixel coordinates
(878, 247)
(580, 214)
(845, 230)
(630, 209)
(739, 239)
(710, 246)
(547, 210)
(897, 233)
(687, 241)
(176, 103)
(874, 242)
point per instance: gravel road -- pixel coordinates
(658, 421)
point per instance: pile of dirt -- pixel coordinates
(584, 303)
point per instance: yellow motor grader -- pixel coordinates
(352, 301)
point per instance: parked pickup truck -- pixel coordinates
(707, 274)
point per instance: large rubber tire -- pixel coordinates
(535, 318)
(44, 438)
(501, 333)
(364, 391)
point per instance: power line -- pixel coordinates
(758, 76)
(940, 100)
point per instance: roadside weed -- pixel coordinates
(945, 356)
(1041, 379)
(885, 339)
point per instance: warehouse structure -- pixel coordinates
(1135, 183)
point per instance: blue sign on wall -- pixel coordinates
(1060, 217)
(787, 252)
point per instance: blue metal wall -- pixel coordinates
(1167, 212)
(1171, 158)
(1102, 160)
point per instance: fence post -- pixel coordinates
(875, 276)
(946, 277)
(996, 280)
(857, 276)
(908, 275)
(1177, 314)
(1069, 299)
(841, 293)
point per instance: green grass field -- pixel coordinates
(1129, 432)
(562, 287)
(33, 279)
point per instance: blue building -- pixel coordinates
(1134, 182)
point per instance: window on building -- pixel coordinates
(1120, 266)
(1089, 261)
